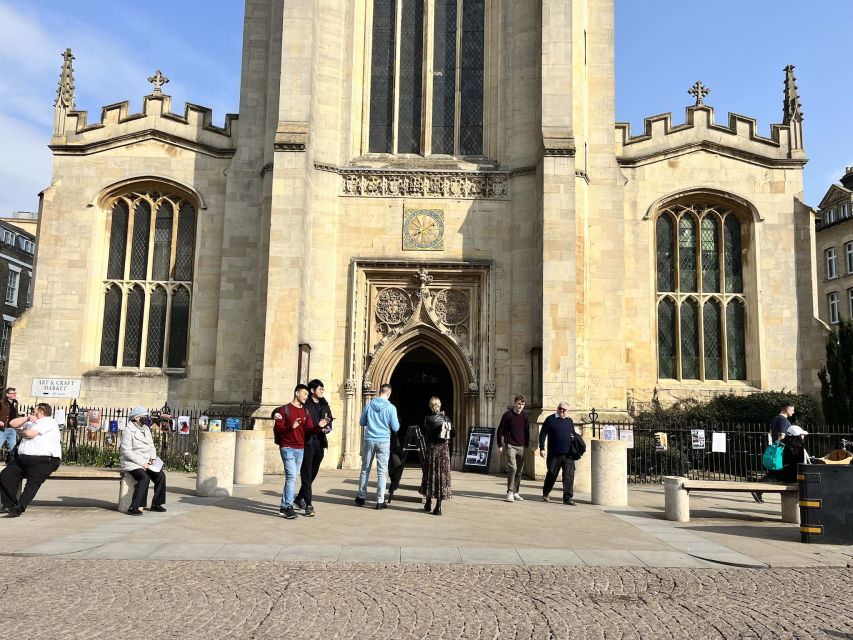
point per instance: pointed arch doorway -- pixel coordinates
(418, 376)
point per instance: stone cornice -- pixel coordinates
(713, 147)
(135, 137)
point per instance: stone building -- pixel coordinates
(834, 253)
(432, 193)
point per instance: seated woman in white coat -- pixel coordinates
(137, 456)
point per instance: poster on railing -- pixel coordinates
(718, 442)
(609, 433)
(60, 416)
(113, 426)
(627, 436)
(232, 424)
(122, 422)
(661, 441)
(183, 425)
(697, 438)
(214, 425)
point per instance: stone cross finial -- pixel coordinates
(791, 108)
(158, 80)
(65, 92)
(699, 91)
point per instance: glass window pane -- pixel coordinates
(139, 248)
(666, 254)
(185, 249)
(112, 319)
(687, 252)
(711, 319)
(162, 241)
(710, 256)
(156, 328)
(444, 77)
(689, 340)
(179, 329)
(734, 268)
(736, 340)
(118, 241)
(382, 76)
(133, 327)
(411, 80)
(471, 78)
(666, 338)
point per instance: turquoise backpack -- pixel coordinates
(772, 457)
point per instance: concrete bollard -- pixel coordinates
(249, 456)
(583, 467)
(215, 476)
(791, 507)
(609, 473)
(676, 499)
(125, 491)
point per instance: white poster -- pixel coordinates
(627, 436)
(697, 438)
(610, 433)
(122, 422)
(60, 416)
(718, 442)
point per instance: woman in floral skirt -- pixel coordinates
(436, 479)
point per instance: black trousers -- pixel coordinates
(143, 478)
(34, 469)
(311, 459)
(557, 463)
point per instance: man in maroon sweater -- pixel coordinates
(514, 436)
(292, 424)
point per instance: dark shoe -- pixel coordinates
(428, 505)
(134, 512)
(289, 513)
(437, 510)
(381, 505)
(757, 496)
(389, 498)
(4, 509)
(299, 503)
(359, 501)
(14, 512)
(309, 511)
(570, 502)
(158, 508)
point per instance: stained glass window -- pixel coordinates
(179, 329)
(118, 240)
(666, 338)
(689, 340)
(713, 345)
(133, 327)
(143, 312)
(382, 76)
(112, 320)
(444, 78)
(736, 340)
(710, 256)
(687, 253)
(734, 268)
(411, 76)
(666, 254)
(472, 66)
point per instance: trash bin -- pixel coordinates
(826, 503)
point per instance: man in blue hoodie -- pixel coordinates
(380, 419)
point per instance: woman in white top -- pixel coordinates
(137, 455)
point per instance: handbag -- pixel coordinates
(444, 432)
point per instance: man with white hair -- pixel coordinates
(564, 447)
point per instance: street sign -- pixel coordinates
(56, 387)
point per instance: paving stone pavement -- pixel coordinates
(70, 599)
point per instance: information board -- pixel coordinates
(56, 387)
(479, 451)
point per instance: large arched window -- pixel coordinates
(149, 281)
(426, 77)
(701, 308)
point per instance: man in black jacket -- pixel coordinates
(315, 447)
(514, 436)
(564, 447)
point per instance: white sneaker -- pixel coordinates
(510, 497)
(518, 497)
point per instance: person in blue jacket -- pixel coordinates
(379, 419)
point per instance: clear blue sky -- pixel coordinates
(736, 47)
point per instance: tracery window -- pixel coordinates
(426, 77)
(701, 307)
(148, 285)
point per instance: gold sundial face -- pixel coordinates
(423, 229)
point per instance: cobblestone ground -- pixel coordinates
(45, 598)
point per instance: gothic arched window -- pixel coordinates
(426, 77)
(149, 281)
(701, 309)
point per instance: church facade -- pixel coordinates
(431, 193)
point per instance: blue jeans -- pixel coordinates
(292, 459)
(9, 438)
(381, 450)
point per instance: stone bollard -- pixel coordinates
(583, 467)
(215, 476)
(609, 473)
(125, 491)
(249, 455)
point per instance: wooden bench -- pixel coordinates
(677, 495)
(126, 481)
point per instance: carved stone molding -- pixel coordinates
(291, 136)
(490, 388)
(393, 183)
(349, 387)
(451, 307)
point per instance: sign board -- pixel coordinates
(232, 424)
(479, 452)
(56, 387)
